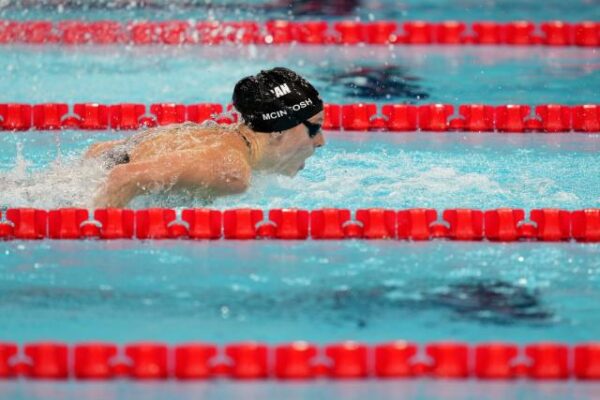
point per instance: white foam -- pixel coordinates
(64, 183)
(352, 175)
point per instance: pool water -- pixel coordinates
(276, 292)
(392, 170)
(371, 291)
(380, 74)
(430, 10)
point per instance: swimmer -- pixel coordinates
(281, 118)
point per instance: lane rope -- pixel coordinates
(417, 224)
(300, 361)
(347, 117)
(178, 32)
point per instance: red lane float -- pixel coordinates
(474, 118)
(417, 32)
(520, 33)
(585, 225)
(241, 223)
(348, 360)
(450, 360)
(199, 113)
(48, 360)
(464, 224)
(504, 224)
(290, 223)
(495, 361)
(9, 31)
(49, 116)
(295, 361)
(350, 32)
(586, 118)
(126, 116)
(329, 223)
(26, 223)
(93, 360)
(400, 117)
(450, 32)
(278, 32)
(66, 223)
(311, 32)
(487, 33)
(274, 32)
(419, 224)
(248, 360)
(155, 223)
(587, 361)
(168, 113)
(548, 361)
(193, 361)
(37, 32)
(89, 116)
(554, 117)
(552, 224)
(511, 118)
(586, 34)
(203, 223)
(357, 117)
(348, 117)
(74, 32)
(394, 360)
(300, 361)
(434, 117)
(557, 33)
(332, 116)
(107, 32)
(7, 352)
(147, 360)
(15, 117)
(377, 223)
(381, 32)
(115, 223)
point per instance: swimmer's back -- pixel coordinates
(174, 138)
(170, 139)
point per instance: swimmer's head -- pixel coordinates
(286, 106)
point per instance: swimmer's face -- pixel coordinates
(293, 146)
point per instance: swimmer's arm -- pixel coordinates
(221, 175)
(99, 148)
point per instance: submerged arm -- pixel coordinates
(222, 174)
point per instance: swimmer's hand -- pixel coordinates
(117, 191)
(220, 173)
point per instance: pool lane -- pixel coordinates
(343, 74)
(320, 291)
(393, 170)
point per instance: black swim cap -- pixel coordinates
(275, 100)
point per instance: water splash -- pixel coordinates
(392, 171)
(66, 182)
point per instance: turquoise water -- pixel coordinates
(320, 291)
(415, 74)
(432, 10)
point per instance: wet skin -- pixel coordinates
(217, 160)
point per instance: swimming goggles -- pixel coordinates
(313, 129)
